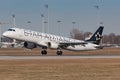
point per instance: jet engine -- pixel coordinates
(29, 45)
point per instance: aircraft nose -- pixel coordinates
(4, 34)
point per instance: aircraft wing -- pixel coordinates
(62, 44)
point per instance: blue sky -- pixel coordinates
(82, 12)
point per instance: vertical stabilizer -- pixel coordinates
(97, 36)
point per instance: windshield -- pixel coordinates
(11, 30)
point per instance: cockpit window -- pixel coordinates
(11, 30)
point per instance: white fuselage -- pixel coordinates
(42, 39)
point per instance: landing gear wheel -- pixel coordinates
(59, 53)
(43, 52)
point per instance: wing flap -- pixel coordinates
(72, 43)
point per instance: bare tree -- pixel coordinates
(76, 34)
(111, 38)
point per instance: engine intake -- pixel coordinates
(29, 45)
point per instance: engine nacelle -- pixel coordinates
(29, 45)
(53, 45)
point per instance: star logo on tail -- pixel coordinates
(98, 36)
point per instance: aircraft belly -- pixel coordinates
(80, 48)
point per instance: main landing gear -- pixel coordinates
(44, 52)
(59, 52)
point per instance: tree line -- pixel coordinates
(111, 38)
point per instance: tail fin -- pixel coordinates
(97, 36)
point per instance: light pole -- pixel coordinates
(47, 7)
(59, 29)
(73, 24)
(14, 24)
(45, 27)
(98, 8)
(98, 15)
(42, 15)
(29, 22)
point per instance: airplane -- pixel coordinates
(33, 39)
